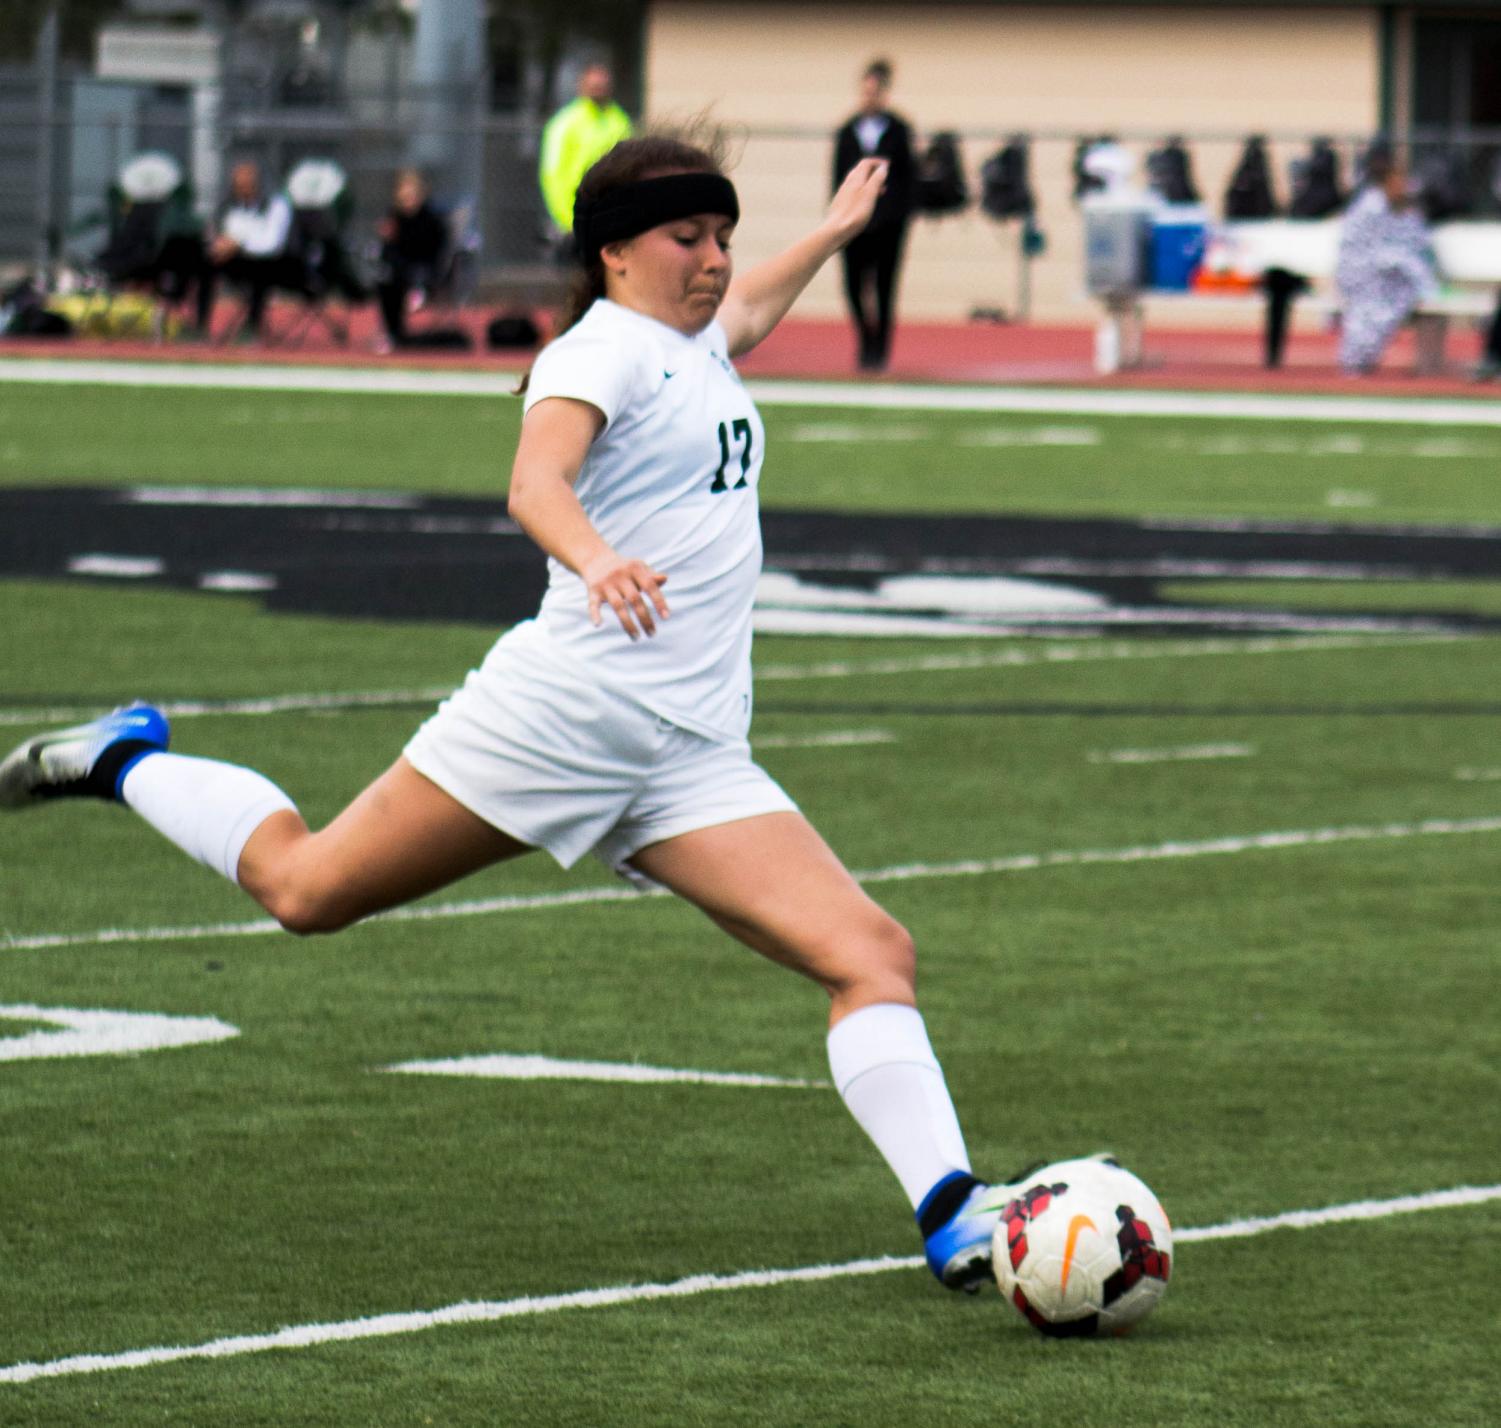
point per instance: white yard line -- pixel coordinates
(1080, 401)
(1270, 525)
(1178, 567)
(1090, 651)
(1356, 1210)
(1075, 652)
(1214, 617)
(387, 381)
(260, 497)
(306, 1336)
(509, 1067)
(834, 739)
(271, 704)
(903, 872)
(1184, 753)
(1090, 401)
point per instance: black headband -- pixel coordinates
(623, 212)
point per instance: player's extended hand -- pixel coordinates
(851, 207)
(631, 588)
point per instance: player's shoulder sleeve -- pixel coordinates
(588, 363)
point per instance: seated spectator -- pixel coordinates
(1385, 264)
(248, 250)
(414, 244)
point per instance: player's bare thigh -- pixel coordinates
(773, 882)
(401, 838)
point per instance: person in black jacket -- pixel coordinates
(414, 242)
(872, 259)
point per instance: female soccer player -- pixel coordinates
(615, 722)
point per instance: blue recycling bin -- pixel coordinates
(1179, 234)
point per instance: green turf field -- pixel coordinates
(1112, 954)
(842, 460)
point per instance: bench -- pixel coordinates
(1468, 255)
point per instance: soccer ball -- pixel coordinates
(1083, 1248)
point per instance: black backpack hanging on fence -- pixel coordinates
(1006, 184)
(1316, 190)
(941, 187)
(1084, 181)
(1249, 195)
(1169, 173)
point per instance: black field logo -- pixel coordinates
(390, 555)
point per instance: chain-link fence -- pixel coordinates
(1015, 245)
(65, 137)
(63, 146)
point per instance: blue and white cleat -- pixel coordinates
(957, 1218)
(87, 761)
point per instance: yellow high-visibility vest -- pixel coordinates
(573, 139)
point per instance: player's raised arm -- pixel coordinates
(759, 299)
(555, 438)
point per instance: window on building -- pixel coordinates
(1457, 97)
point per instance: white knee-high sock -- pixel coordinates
(209, 809)
(885, 1070)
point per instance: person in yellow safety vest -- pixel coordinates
(579, 133)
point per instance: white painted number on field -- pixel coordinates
(105, 1033)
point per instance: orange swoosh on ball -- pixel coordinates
(1074, 1226)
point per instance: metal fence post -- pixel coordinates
(46, 73)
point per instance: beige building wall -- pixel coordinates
(783, 76)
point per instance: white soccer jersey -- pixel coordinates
(671, 480)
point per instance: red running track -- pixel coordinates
(1002, 354)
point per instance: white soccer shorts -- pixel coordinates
(559, 763)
